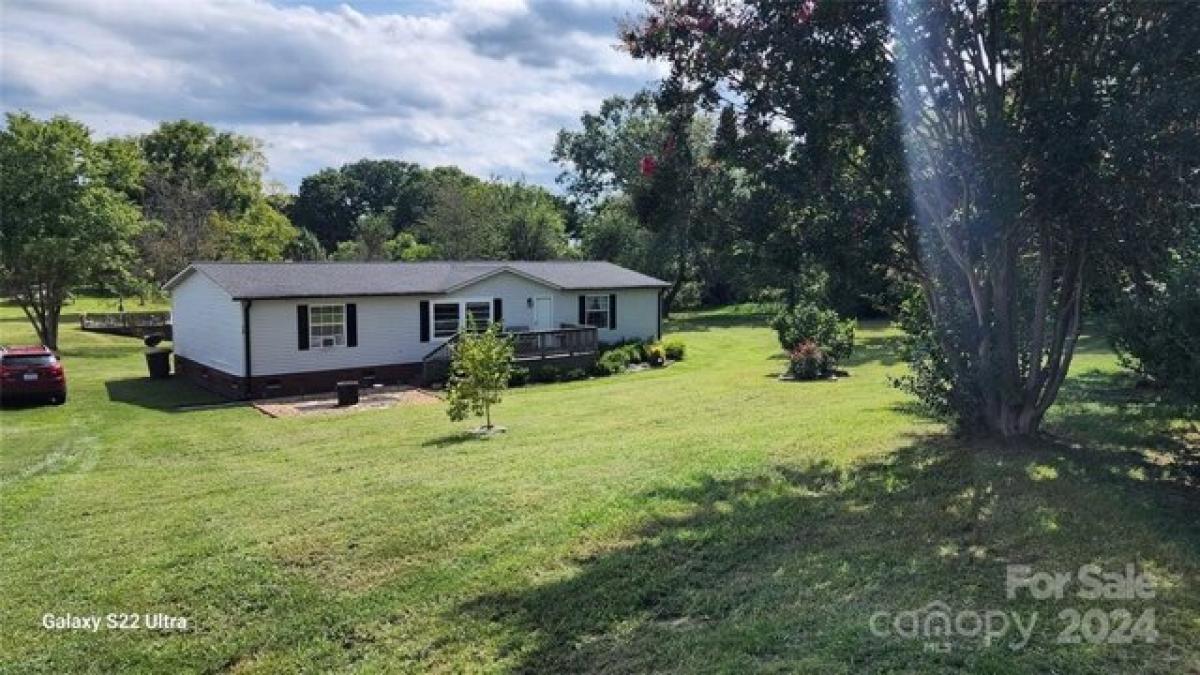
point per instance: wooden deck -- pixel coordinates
(529, 348)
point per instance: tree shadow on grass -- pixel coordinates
(100, 351)
(705, 322)
(881, 349)
(450, 440)
(174, 394)
(782, 570)
(1109, 410)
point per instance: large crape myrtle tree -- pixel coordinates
(1043, 144)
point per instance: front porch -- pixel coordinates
(570, 346)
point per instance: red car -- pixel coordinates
(31, 372)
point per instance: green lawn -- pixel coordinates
(704, 517)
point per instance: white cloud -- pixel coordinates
(484, 85)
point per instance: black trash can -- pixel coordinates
(347, 392)
(159, 363)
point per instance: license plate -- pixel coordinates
(30, 376)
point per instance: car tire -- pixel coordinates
(59, 399)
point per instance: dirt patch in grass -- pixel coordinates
(376, 397)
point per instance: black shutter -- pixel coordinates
(351, 324)
(582, 310)
(497, 310)
(302, 327)
(424, 321)
(612, 311)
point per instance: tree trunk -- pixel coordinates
(43, 314)
(669, 297)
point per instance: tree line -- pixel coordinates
(1009, 163)
(656, 191)
(123, 215)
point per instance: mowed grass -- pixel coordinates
(704, 517)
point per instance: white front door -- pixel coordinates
(543, 314)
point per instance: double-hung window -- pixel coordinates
(327, 325)
(445, 319)
(453, 316)
(595, 311)
(477, 315)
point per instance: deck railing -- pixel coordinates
(543, 344)
(137, 324)
(528, 345)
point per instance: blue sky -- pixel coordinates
(483, 84)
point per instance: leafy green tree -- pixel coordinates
(479, 373)
(405, 247)
(226, 166)
(1040, 142)
(261, 233)
(604, 157)
(305, 247)
(323, 206)
(194, 175)
(658, 154)
(347, 251)
(66, 216)
(331, 202)
(612, 232)
(1155, 323)
(373, 232)
(532, 222)
(461, 223)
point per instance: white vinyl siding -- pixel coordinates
(389, 328)
(637, 308)
(207, 324)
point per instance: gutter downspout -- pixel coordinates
(246, 388)
(659, 307)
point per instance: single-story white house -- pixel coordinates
(273, 329)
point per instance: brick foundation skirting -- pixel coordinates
(293, 384)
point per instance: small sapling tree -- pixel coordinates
(479, 373)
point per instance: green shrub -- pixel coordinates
(609, 363)
(519, 377)
(809, 362)
(688, 297)
(632, 353)
(545, 374)
(929, 377)
(574, 374)
(807, 322)
(1155, 328)
(674, 349)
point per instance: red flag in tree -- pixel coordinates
(648, 165)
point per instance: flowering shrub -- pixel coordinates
(809, 362)
(807, 322)
(655, 355)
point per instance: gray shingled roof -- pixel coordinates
(317, 279)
